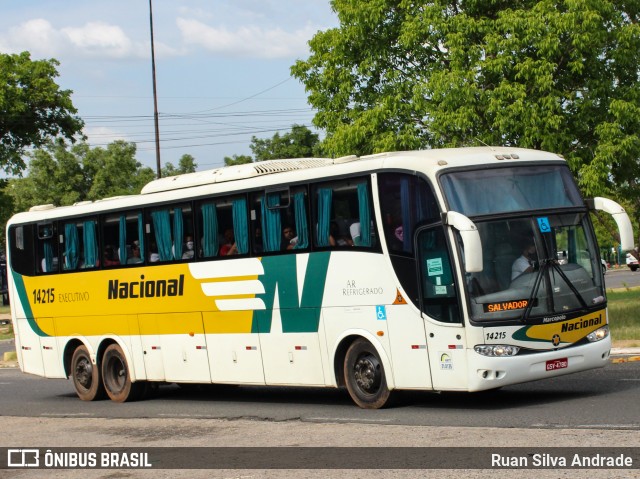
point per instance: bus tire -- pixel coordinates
(116, 377)
(86, 375)
(364, 376)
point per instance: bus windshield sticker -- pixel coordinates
(434, 267)
(544, 225)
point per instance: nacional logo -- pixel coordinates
(555, 339)
(146, 289)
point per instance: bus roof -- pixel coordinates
(273, 172)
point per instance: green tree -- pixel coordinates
(237, 160)
(557, 75)
(33, 109)
(300, 142)
(186, 164)
(62, 176)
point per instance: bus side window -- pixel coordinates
(344, 214)
(171, 234)
(48, 248)
(21, 241)
(280, 221)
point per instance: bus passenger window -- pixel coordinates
(172, 234)
(280, 221)
(48, 247)
(344, 215)
(121, 232)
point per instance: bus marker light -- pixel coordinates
(251, 348)
(201, 347)
(301, 348)
(191, 334)
(380, 333)
(455, 346)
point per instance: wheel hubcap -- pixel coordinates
(367, 373)
(84, 373)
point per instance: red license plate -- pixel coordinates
(557, 364)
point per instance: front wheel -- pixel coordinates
(116, 377)
(364, 376)
(86, 375)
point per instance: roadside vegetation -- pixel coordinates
(624, 316)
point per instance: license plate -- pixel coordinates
(557, 364)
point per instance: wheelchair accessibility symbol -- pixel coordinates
(381, 313)
(544, 225)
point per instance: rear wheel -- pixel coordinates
(364, 376)
(116, 377)
(86, 375)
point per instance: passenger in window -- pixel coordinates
(108, 258)
(229, 247)
(189, 252)
(289, 238)
(135, 254)
(395, 240)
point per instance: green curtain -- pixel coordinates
(48, 256)
(240, 226)
(90, 244)
(162, 228)
(70, 246)
(210, 226)
(122, 242)
(271, 227)
(141, 234)
(178, 232)
(302, 228)
(324, 215)
(365, 215)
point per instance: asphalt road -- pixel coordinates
(622, 278)
(604, 398)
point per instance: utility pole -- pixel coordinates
(155, 95)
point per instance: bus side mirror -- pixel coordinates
(470, 239)
(620, 216)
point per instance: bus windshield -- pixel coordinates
(504, 190)
(536, 267)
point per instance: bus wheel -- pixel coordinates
(364, 375)
(86, 375)
(116, 378)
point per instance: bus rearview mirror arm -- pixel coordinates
(470, 238)
(619, 215)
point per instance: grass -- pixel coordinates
(624, 315)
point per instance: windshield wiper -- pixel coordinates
(545, 265)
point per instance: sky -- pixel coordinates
(222, 68)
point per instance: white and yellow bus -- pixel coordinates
(448, 270)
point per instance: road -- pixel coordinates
(591, 409)
(622, 278)
(578, 400)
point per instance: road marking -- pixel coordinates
(586, 426)
(346, 419)
(55, 414)
(625, 359)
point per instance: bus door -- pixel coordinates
(446, 341)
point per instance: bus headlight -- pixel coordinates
(599, 334)
(496, 350)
